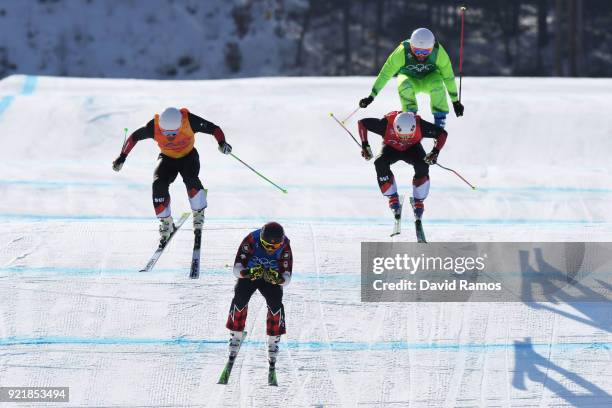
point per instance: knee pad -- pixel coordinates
(162, 206)
(236, 319)
(197, 198)
(275, 322)
(387, 185)
(420, 187)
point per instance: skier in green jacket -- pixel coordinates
(421, 65)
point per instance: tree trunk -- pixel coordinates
(559, 38)
(515, 33)
(380, 7)
(542, 34)
(579, 36)
(572, 34)
(502, 12)
(305, 27)
(346, 21)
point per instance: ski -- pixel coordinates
(194, 273)
(227, 370)
(420, 234)
(272, 380)
(160, 249)
(418, 226)
(397, 227)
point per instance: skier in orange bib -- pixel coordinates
(174, 131)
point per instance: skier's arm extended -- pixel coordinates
(394, 62)
(145, 132)
(375, 125)
(431, 131)
(201, 125)
(448, 76)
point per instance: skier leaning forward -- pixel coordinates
(421, 65)
(402, 134)
(174, 133)
(263, 262)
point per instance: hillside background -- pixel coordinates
(225, 39)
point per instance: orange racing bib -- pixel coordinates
(179, 145)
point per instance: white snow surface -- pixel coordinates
(76, 312)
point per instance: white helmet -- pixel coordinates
(405, 125)
(170, 119)
(422, 38)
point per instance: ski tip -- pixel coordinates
(272, 380)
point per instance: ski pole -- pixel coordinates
(345, 128)
(259, 174)
(125, 130)
(349, 116)
(463, 8)
(458, 175)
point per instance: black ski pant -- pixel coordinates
(388, 155)
(244, 289)
(165, 173)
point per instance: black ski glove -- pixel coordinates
(458, 108)
(366, 151)
(118, 162)
(253, 273)
(431, 158)
(366, 101)
(225, 147)
(272, 276)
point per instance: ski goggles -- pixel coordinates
(270, 246)
(421, 52)
(169, 132)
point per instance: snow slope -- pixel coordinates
(75, 311)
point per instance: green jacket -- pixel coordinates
(402, 61)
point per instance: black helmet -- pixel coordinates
(272, 236)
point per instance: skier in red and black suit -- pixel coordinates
(174, 133)
(402, 133)
(263, 262)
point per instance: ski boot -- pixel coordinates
(440, 119)
(166, 228)
(236, 338)
(272, 353)
(235, 343)
(395, 205)
(418, 206)
(198, 219)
